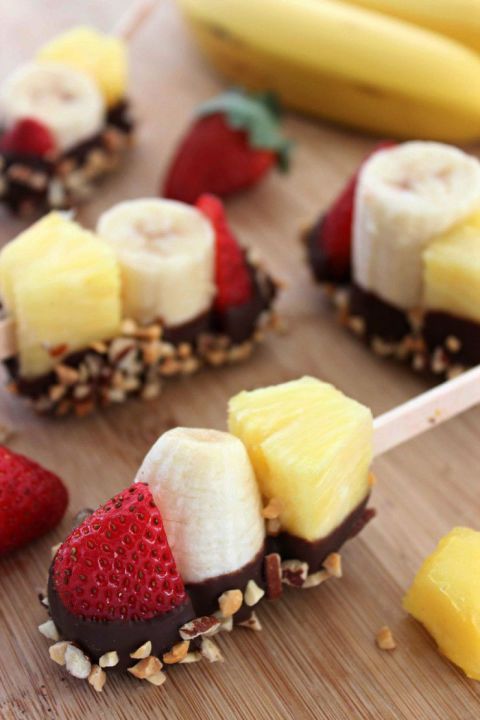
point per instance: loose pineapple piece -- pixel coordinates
(445, 598)
(452, 271)
(61, 285)
(311, 448)
(103, 57)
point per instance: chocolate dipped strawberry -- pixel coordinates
(242, 294)
(114, 586)
(233, 143)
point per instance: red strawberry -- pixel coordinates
(332, 237)
(117, 565)
(32, 500)
(232, 144)
(28, 137)
(232, 277)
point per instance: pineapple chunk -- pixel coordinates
(445, 598)
(452, 271)
(61, 285)
(311, 448)
(103, 57)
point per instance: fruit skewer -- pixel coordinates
(214, 523)
(159, 290)
(65, 117)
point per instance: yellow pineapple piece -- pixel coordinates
(61, 285)
(452, 271)
(311, 448)
(103, 57)
(445, 598)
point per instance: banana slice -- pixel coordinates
(211, 507)
(166, 253)
(67, 101)
(405, 197)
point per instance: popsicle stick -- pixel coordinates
(7, 339)
(426, 411)
(130, 22)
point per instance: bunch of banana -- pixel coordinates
(351, 64)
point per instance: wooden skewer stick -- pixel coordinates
(130, 22)
(426, 411)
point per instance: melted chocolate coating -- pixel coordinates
(96, 637)
(440, 325)
(291, 547)
(204, 595)
(381, 319)
(320, 263)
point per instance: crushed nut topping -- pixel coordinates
(210, 651)
(453, 344)
(143, 651)
(273, 527)
(54, 549)
(273, 574)
(206, 625)
(230, 602)
(76, 662)
(252, 623)
(97, 678)
(176, 653)
(191, 657)
(57, 652)
(157, 678)
(49, 630)
(333, 565)
(253, 593)
(316, 579)
(385, 639)
(294, 572)
(146, 668)
(109, 659)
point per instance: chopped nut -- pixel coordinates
(49, 630)
(333, 565)
(439, 361)
(453, 344)
(385, 639)
(272, 510)
(316, 579)
(157, 678)
(42, 596)
(253, 593)
(56, 392)
(273, 573)
(176, 653)
(66, 374)
(97, 678)
(143, 651)
(273, 527)
(253, 623)
(109, 659)
(146, 668)
(206, 625)
(210, 651)
(382, 348)
(191, 657)
(230, 602)
(357, 324)
(99, 347)
(294, 572)
(57, 652)
(77, 663)
(226, 624)
(151, 391)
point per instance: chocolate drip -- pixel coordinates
(292, 547)
(204, 595)
(97, 637)
(321, 265)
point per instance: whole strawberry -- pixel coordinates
(232, 275)
(233, 142)
(28, 137)
(330, 241)
(117, 565)
(32, 500)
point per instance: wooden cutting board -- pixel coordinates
(316, 657)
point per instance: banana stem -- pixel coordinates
(130, 22)
(426, 411)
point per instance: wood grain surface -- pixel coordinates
(316, 657)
